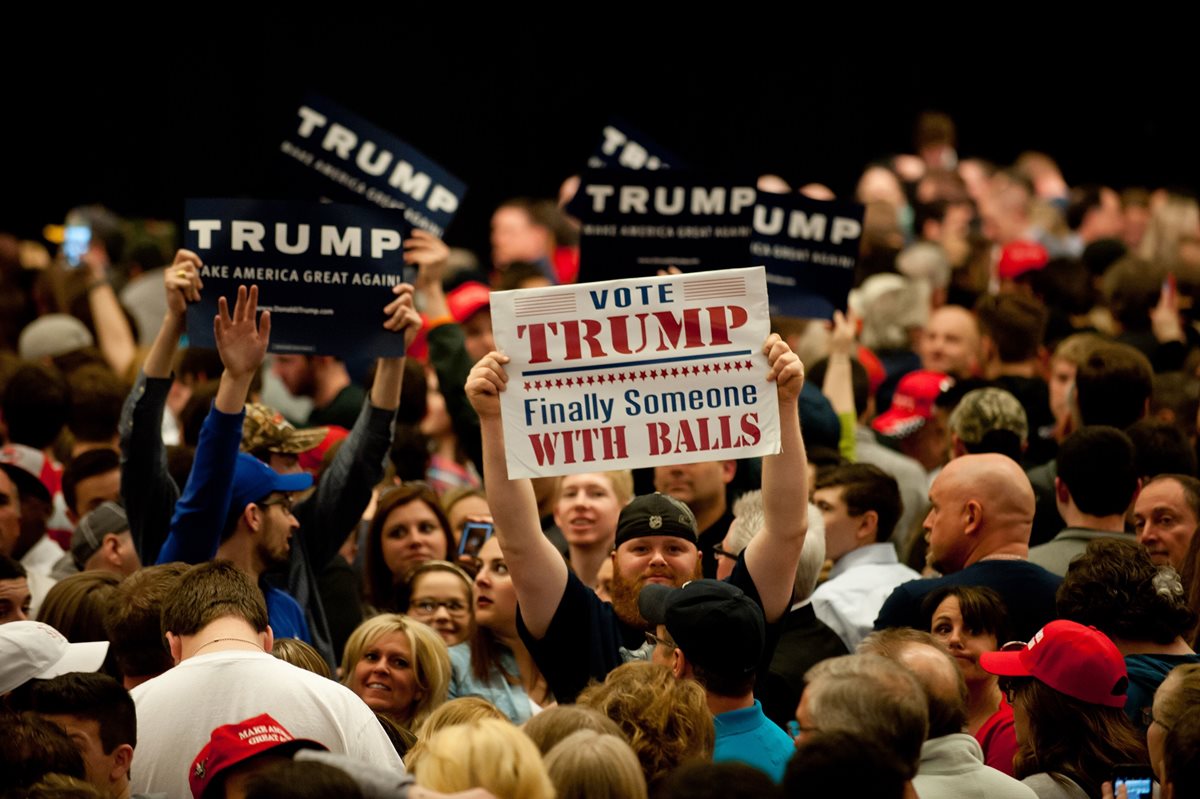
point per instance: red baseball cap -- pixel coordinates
(912, 404)
(231, 744)
(1075, 660)
(310, 460)
(1019, 257)
(467, 300)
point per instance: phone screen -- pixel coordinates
(474, 536)
(1135, 787)
(76, 240)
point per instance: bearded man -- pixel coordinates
(573, 635)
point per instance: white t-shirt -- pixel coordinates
(177, 712)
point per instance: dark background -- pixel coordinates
(138, 118)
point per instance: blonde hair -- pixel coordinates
(431, 659)
(489, 754)
(591, 765)
(666, 720)
(463, 710)
(621, 481)
(553, 724)
(1076, 347)
(1171, 222)
(300, 654)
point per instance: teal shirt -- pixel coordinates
(747, 736)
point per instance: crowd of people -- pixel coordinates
(972, 569)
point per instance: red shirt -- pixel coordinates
(998, 737)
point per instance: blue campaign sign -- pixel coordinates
(636, 223)
(342, 156)
(624, 147)
(324, 272)
(810, 249)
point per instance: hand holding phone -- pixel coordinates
(1137, 779)
(474, 536)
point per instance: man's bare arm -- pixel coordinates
(773, 554)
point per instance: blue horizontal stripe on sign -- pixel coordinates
(647, 362)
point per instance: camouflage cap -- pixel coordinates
(265, 428)
(986, 409)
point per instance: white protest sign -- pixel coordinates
(630, 373)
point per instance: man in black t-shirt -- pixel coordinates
(572, 634)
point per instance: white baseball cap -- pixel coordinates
(33, 650)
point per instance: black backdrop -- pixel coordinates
(140, 118)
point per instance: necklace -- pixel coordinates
(1004, 557)
(219, 640)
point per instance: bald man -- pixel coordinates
(978, 532)
(951, 343)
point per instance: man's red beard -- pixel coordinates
(625, 592)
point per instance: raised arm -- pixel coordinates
(148, 490)
(838, 387)
(182, 282)
(201, 512)
(773, 555)
(114, 336)
(539, 573)
(447, 344)
(345, 487)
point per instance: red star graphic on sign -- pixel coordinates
(643, 375)
(527, 385)
(674, 373)
(537, 384)
(707, 369)
(558, 383)
(591, 380)
(747, 364)
(569, 383)
(621, 377)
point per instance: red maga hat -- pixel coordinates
(1075, 660)
(231, 744)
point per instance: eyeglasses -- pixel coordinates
(1148, 718)
(429, 606)
(721, 553)
(1010, 686)
(1009, 691)
(286, 502)
(795, 730)
(655, 641)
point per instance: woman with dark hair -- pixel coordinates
(494, 663)
(971, 620)
(1067, 689)
(1115, 587)
(408, 529)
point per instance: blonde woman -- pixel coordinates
(457, 711)
(398, 666)
(489, 754)
(592, 765)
